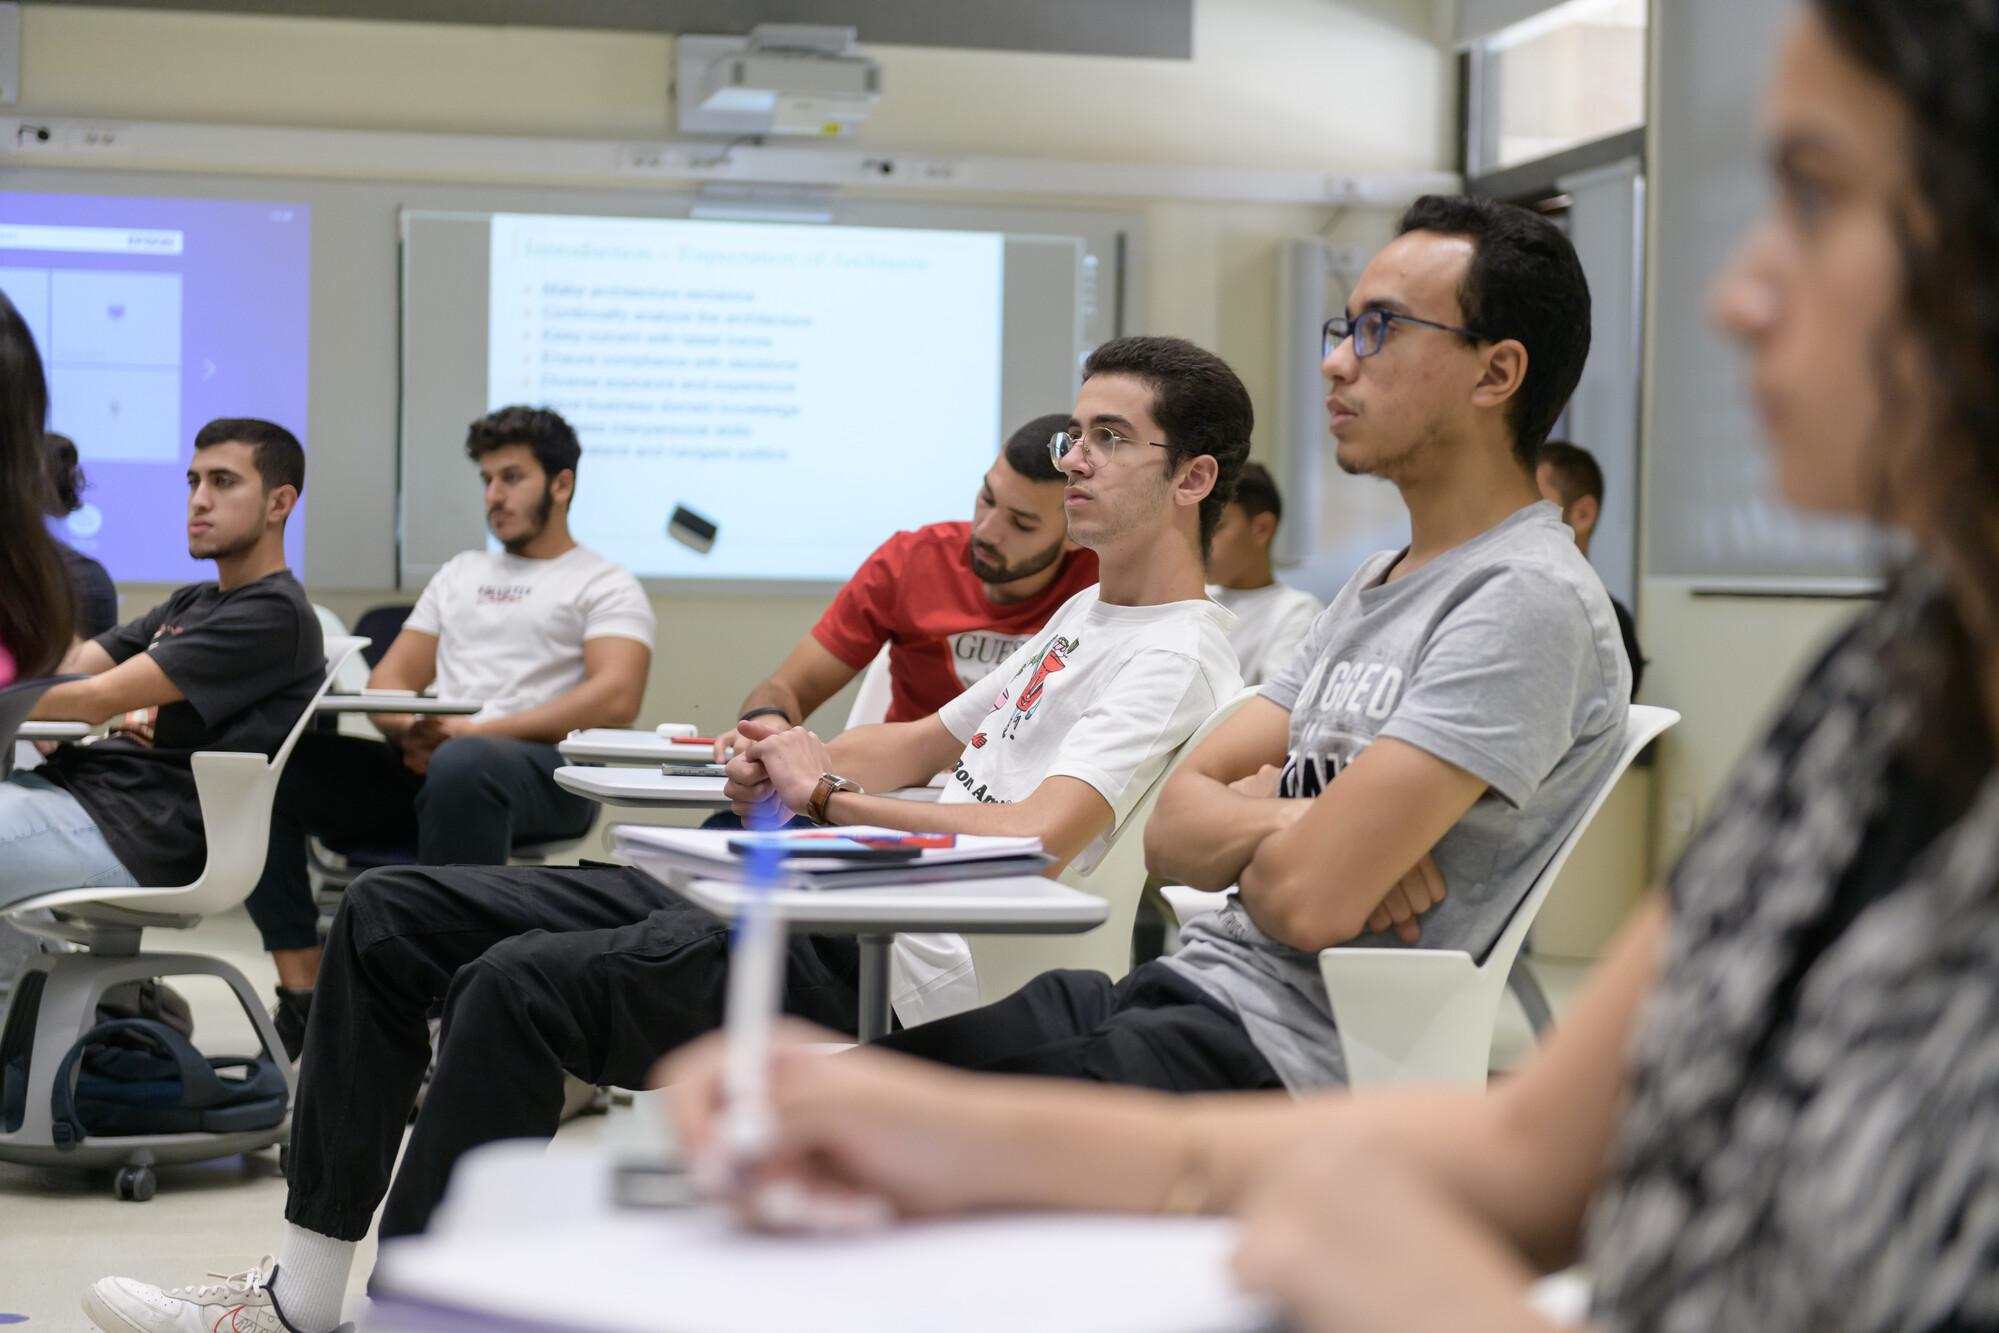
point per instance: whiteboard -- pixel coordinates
(911, 381)
(354, 424)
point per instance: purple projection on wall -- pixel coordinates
(155, 316)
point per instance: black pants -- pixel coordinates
(1154, 1029)
(599, 972)
(593, 971)
(482, 795)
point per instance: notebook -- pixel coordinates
(695, 1271)
(707, 854)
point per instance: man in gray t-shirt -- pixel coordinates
(1500, 657)
(1452, 712)
(1443, 725)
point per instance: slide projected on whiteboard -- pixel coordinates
(808, 389)
(153, 317)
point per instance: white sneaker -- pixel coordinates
(238, 1304)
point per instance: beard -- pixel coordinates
(993, 571)
(217, 547)
(516, 545)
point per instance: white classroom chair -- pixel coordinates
(871, 700)
(1005, 963)
(352, 676)
(54, 1001)
(1426, 1015)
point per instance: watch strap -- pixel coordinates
(822, 792)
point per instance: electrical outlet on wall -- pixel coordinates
(68, 137)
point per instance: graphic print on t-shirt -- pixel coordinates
(1332, 694)
(1053, 658)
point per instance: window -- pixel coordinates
(1571, 74)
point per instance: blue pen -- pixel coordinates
(756, 989)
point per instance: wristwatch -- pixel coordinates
(815, 805)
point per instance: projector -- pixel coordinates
(784, 78)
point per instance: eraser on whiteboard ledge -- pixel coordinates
(694, 531)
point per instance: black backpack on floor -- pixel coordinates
(140, 1076)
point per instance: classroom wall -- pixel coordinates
(1353, 85)
(1727, 664)
(1335, 85)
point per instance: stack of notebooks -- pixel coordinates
(850, 856)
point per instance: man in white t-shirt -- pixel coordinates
(1270, 619)
(547, 634)
(597, 971)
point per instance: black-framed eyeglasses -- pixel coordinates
(1097, 443)
(1370, 329)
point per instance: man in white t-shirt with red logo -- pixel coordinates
(950, 600)
(549, 635)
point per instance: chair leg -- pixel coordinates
(1533, 1001)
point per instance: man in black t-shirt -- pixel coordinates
(1568, 475)
(229, 665)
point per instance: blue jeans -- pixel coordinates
(47, 842)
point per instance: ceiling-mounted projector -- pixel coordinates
(784, 78)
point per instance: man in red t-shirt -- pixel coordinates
(951, 600)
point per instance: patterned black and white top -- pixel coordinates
(1812, 1140)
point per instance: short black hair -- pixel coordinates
(279, 457)
(1524, 282)
(65, 474)
(1256, 492)
(1026, 449)
(1576, 471)
(541, 429)
(1199, 403)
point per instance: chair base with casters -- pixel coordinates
(55, 1001)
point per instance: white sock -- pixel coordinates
(312, 1278)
